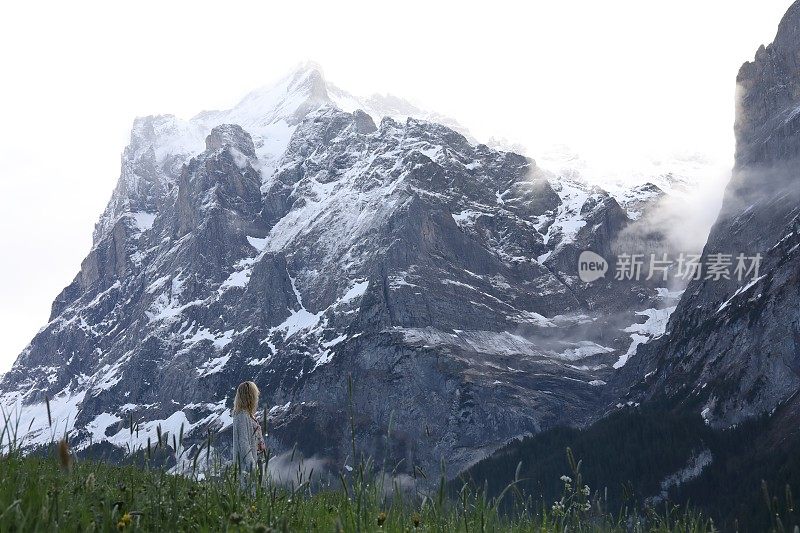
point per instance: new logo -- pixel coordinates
(591, 266)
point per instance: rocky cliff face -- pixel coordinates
(732, 348)
(301, 243)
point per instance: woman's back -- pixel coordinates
(245, 441)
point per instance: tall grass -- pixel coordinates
(37, 495)
(55, 492)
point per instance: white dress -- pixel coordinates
(246, 439)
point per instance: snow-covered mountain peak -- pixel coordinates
(290, 241)
(161, 144)
(289, 100)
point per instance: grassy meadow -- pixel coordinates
(51, 491)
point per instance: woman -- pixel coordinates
(248, 440)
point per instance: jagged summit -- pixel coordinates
(161, 144)
(767, 115)
(231, 135)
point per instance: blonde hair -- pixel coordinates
(246, 398)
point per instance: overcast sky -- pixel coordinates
(619, 78)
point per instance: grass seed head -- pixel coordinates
(124, 521)
(64, 455)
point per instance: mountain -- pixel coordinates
(382, 267)
(732, 349)
(707, 413)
